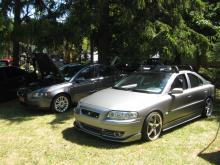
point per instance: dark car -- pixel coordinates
(12, 78)
(58, 89)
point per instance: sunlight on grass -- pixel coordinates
(38, 137)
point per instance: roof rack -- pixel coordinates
(165, 68)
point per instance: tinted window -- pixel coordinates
(194, 80)
(70, 71)
(87, 73)
(106, 71)
(180, 82)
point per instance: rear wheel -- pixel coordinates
(61, 103)
(207, 112)
(152, 126)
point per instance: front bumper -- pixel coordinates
(118, 131)
(36, 103)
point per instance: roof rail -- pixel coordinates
(166, 68)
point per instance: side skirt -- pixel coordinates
(181, 122)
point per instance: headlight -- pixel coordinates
(120, 115)
(40, 94)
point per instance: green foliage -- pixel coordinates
(209, 73)
(134, 30)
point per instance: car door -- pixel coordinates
(197, 92)
(83, 84)
(179, 102)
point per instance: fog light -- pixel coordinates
(118, 134)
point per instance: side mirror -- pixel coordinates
(176, 91)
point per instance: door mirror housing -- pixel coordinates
(176, 91)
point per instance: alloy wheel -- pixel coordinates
(153, 126)
(208, 107)
(61, 103)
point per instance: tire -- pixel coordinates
(61, 103)
(152, 127)
(208, 109)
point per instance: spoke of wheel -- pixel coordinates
(150, 132)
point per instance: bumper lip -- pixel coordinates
(130, 138)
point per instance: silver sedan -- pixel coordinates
(144, 104)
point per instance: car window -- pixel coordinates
(106, 71)
(180, 82)
(86, 74)
(194, 80)
(149, 82)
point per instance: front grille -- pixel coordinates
(90, 113)
(92, 128)
(102, 132)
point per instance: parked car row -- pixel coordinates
(151, 100)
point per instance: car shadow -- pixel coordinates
(78, 137)
(60, 118)
(13, 111)
(215, 117)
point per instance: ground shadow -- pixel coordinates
(213, 157)
(60, 118)
(78, 137)
(13, 111)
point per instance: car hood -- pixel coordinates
(46, 66)
(115, 99)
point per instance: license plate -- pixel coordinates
(21, 99)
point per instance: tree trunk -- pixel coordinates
(15, 33)
(92, 48)
(104, 33)
(177, 60)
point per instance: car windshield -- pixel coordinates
(70, 70)
(149, 82)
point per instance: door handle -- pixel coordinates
(189, 96)
(205, 91)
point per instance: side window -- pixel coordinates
(180, 82)
(86, 74)
(106, 71)
(194, 80)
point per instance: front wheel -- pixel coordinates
(208, 108)
(61, 103)
(152, 126)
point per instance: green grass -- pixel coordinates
(36, 137)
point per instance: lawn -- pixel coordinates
(36, 137)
